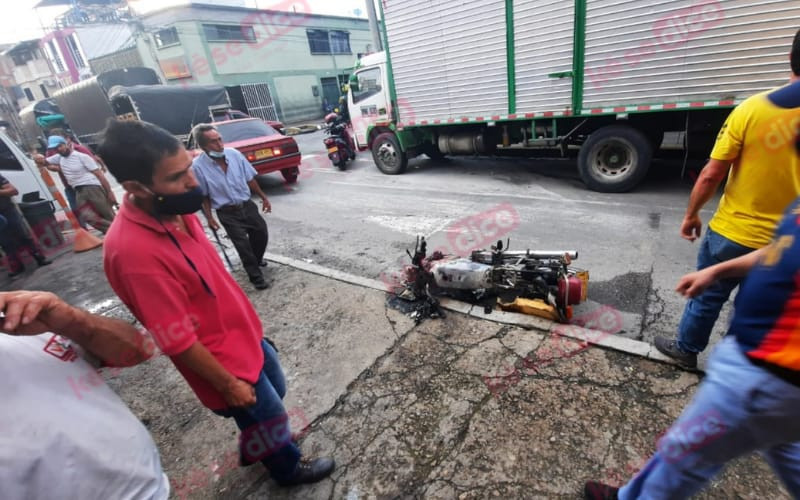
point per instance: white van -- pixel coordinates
(21, 171)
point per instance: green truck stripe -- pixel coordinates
(578, 56)
(510, 59)
(389, 72)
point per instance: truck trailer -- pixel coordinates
(86, 105)
(603, 80)
(175, 108)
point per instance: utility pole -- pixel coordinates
(373, 25)
(335, 68)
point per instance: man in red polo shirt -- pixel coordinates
(158, 260)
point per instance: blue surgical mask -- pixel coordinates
(216, 154)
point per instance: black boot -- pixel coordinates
(16, 272)
(41, 259)
(310, 471)
(595, 490)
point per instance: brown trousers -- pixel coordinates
(93, 207)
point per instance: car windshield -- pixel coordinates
(243, 130)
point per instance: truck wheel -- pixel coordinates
(388, 156)
(614, 159)
(290, 174)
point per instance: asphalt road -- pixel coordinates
(362, 221)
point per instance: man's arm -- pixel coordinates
(713, 173)
(113, 341)
(104, 182)
(236, 392)
(694, 283)
(51, 163)
(212, 223)
(8, 190)
(256, 189)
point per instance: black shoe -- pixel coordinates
(42, 260)
(14, 274)
(259, 283)
(595, 490)
(263, 263)
(670, 348)
(310, 471)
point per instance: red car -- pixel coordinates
(266, 149)
(234, 114)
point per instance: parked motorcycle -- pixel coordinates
(339, 143)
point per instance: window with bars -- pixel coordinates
(56, 55)
(328, 42)
(229, 32)
(167, 37)
(72, 46)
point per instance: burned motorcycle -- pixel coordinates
(339, 143)
(541, 283)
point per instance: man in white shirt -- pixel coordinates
(93, 193)
(63, 432)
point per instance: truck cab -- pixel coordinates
(367, 99)
(21, 171)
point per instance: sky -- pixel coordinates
(20, 21)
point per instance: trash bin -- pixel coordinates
(42, 220)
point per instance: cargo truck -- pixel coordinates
(86, 105)
(600, 80)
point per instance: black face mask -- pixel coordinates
(179, 204)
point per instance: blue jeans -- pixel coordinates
(702, 312)
(15, 238)
(738, 409)
(270, 390)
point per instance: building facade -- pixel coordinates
(32, 73)
(300, 58)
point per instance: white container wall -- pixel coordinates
(641, 52)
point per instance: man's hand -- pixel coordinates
(33, 313)
(691, 227)
(693, 284)
(112, 199)
(239, 394)
(40, 160)
(265, 205)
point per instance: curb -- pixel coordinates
(594, 337)
(301, 129)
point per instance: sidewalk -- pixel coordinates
(406, 411)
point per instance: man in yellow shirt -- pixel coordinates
(755, 151)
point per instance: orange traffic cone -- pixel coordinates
(84, 240)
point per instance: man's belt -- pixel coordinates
(786, 374)
(231, 207)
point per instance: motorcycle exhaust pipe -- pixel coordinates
(539, 254)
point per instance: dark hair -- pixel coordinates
(199, 133)
(131, 149)
(794, 55)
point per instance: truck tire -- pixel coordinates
(388, 156)
(614, 159)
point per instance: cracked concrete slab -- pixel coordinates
(458, 407)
